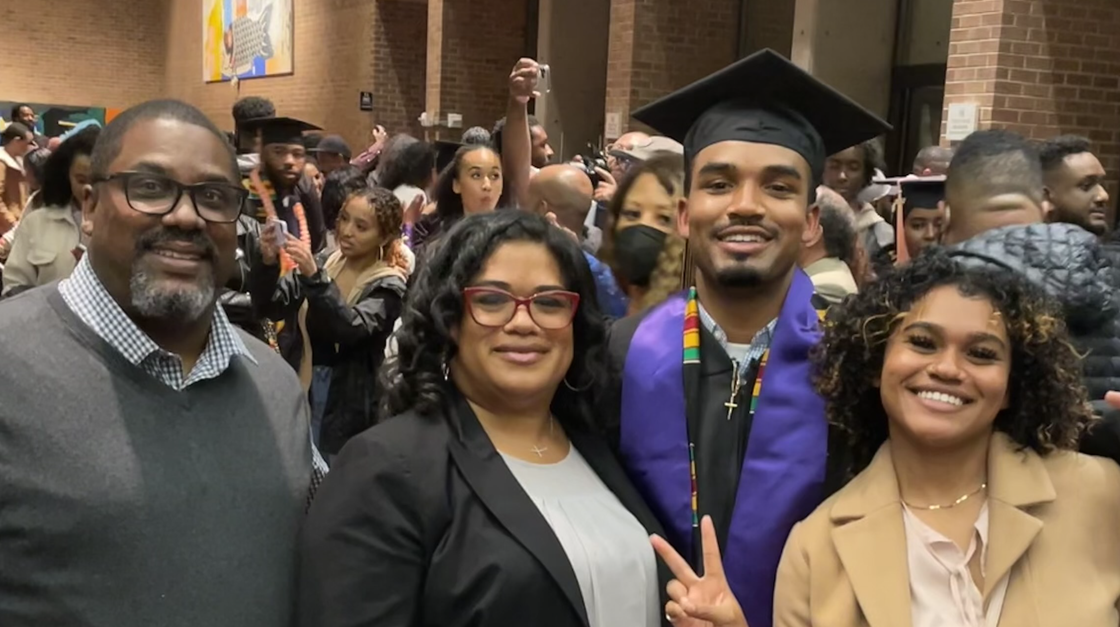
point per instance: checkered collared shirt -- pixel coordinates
(759, 343)
(88, 298)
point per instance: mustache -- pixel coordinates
(737, 220)
(198, 239)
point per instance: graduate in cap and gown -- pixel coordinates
(280, 183)
(918, 213)
(279, 189)
(718, 413)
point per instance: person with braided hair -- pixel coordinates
(344, 306)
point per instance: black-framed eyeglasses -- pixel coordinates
(158, 195)
(493, 307)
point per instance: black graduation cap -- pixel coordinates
(917, 192)
(280, 130)
(764, 99)
(445, 153)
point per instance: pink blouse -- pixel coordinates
(942, 592)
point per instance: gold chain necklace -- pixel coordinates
(955, 503)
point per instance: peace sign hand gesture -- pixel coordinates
(699, 601)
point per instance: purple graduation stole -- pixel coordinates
(784, 468)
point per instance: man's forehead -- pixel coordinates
(756, 155)
(177, 148)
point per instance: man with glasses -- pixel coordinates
(154, 461)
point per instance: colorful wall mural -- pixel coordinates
(55, 120)
(246, 39)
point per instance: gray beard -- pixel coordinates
(179, 305)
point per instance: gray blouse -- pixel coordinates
(608, 548)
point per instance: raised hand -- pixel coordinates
(378, 134)
(412, 211)
(301, 254)
(1113, 399)
(523, 81)
(607, 186)
(270, 245)
(699, 601)
(551, 217)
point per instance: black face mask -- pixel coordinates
(636, 249)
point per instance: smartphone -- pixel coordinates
(544, 81)
(280, 228)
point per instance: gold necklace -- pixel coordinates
(538, 449)
(930, 508)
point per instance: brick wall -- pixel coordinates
(341, 48)
(769, 24)
(1041, 68)
(657, 47)
(80, 52)
(477, 42)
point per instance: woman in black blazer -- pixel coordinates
(489, 499)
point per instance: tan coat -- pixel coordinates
(1054, 526)
(13, 191)
(43, 248)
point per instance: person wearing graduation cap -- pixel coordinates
(918, 215)
(282, 181)
(718, 413)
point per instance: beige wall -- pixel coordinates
(848, 44)
(573, 112)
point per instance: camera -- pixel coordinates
(594, 158)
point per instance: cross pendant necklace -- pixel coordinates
(736, 383)
(537, 448)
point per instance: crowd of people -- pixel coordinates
(734, 375)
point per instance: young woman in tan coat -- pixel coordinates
(962, 396)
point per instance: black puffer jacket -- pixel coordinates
(350, 339)
(1072, 266)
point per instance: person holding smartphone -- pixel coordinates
(345, 305)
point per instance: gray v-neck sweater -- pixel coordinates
(124, 503)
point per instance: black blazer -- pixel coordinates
(421, 524)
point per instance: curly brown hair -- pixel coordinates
(388, 214)
(1048, 409)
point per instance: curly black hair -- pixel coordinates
(414, 379)
(1048, 408)
(56, 190)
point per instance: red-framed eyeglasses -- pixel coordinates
(494, 307)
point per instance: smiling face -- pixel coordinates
(747, 213)
(519, 361)
(480, 181)
(170, 266)
(945, 371)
